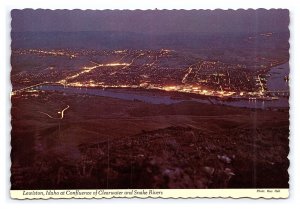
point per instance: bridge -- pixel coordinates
(278, 93)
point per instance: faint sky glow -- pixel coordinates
(151, 21)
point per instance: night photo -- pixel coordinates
(154, 99)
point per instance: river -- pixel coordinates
(275, 82)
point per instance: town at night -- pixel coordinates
(137, 101)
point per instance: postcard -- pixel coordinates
(149, 103)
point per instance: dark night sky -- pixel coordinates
(156, 22)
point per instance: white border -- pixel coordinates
(7, 5)
(146, 193)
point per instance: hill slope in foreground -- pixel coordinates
(109, 143)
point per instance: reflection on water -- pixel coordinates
(275, 82)
(280, 103)
(149, 97)
(144, 96)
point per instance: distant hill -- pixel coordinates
(130, 40)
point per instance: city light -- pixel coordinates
(202, 77)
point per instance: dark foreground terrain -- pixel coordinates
(110, 143)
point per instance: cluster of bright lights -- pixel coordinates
(198, 90)
(115, 64)
(89, 69)
(120, 51)
(166, 51)
(178, 88)
(266, 34)
(53, 53)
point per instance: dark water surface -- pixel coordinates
(275, 82)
